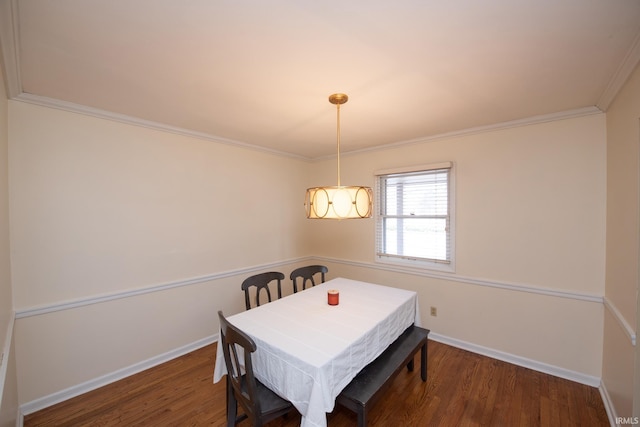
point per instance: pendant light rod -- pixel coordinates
(338, 143)
(338, 99)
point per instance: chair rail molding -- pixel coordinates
(81, 302)
(582, 296)
(626, 327)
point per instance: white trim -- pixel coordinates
(620, 77)
(66, 305)
(71, 392)
(107, 115)
(6, 350)
(518, 360)
(631, 333)
(545, 118)
(122, 118)
(416, 263)
(415, 168)
(581, 296)
(10, 47)
(609, 407)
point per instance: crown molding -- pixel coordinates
(620, 77)
(134, 121)
(544, 118)
(123, 118)
(9, 51)
(108, 115)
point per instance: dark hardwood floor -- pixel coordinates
(463, 389)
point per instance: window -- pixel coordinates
(414, 216)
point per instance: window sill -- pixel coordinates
(417, 264)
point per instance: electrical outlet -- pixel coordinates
(434, 311)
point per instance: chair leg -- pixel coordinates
(227, 385)
(410, 366)
(423, 361)
(362, 417)
(232, 406)
(231, 416)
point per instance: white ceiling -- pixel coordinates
(259, 73)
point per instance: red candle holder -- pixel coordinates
(333, 297)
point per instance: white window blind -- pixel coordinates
(414, 215)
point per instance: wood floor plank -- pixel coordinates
(463, 389)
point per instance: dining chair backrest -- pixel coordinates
(241, 388)
(261, 283)
(306, 275)
(259, 403)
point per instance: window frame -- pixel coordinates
(408, 261)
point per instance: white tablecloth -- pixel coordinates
(308, 351)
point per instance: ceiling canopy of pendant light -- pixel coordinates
(339, 202)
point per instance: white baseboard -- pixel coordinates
(520, 361)
(608, 405)
(88, 386)
(6, 349)
(62, 395)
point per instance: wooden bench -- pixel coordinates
(375, 378)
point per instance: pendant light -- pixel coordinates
(338, 202)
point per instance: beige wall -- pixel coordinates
(102, 210)
(8, 386)
(5, 267)
(623, 154)
(530, 218)
(101, 207)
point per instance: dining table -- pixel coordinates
(309, 350)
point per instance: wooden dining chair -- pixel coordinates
(306, 275)
(261, 283)
(259, 404)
